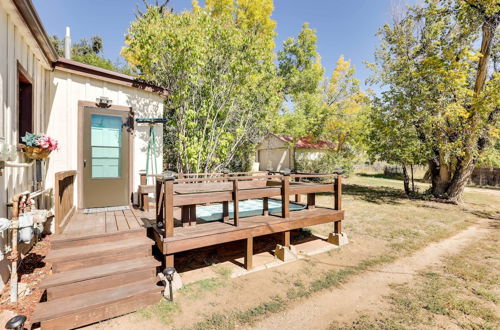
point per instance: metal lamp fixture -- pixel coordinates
(17, 322)
(168, 173)
(104, 102)
(169, 275)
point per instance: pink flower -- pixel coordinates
(46, 142)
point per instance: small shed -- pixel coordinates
(277, 152)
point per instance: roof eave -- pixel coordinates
(91, 71)
(32, 20)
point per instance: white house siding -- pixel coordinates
(273, 152)
(17, 45)
(55, 107)
(309, 154)
(66, 90)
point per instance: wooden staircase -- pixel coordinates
(98, 277)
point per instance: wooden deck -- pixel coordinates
(104, 265)
(106, 223)
(216, 232)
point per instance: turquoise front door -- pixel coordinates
(105, 158)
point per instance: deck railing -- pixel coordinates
(189, 192)
(64, 207)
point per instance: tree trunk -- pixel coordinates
(412, 179)
(460, 179)
(406, 180)
(440, 177)
(450, 182)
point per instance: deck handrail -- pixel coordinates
(226, 178)
(167, 198)
(64, 207)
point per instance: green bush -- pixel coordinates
(328, 163)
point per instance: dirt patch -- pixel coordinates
(31, 271)
(363, 294)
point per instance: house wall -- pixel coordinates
(17, 46)
(66, 90)
(272, 152)
(55, 105)
(309, 154)
(276, 153)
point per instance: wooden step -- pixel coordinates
(78, 310)
(61, 242)
(95, 272)
(64, 265)
(96, 284)
(96, 250)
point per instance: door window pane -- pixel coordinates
(105, 140)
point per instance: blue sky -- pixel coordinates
(344, 27)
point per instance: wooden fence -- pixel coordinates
(486, 176)
(64, 207)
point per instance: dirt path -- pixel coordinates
(364, 293)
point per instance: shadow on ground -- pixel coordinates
(377, 195)
(393, 176)
(208, 256)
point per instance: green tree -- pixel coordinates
(346, 106)
(221, 80)
(316, 107)
(437, 84)
(301, 73)
(89, 52)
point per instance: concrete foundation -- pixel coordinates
(338, 239)
(284, 253)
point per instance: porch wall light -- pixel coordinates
(104, 102)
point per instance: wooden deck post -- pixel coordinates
(286, 239)
(285, 196)
(188, 215)
(236, 208)
(143, 179)
(338, 237)
(169, 260)
(159, 196)
(184, 216)
(297, 196)
(143, 198)
(265, 205)
(168, 183)
(311, 201)
(192, 215)
(249, 253)
(337, 228)
(338, 192)
(225, 211)
(64, 207)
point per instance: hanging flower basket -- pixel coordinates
(36, 152)
(38, 146)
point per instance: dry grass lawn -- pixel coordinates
(382, 224)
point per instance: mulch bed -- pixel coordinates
(31, 271)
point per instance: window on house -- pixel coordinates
(25, 89)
